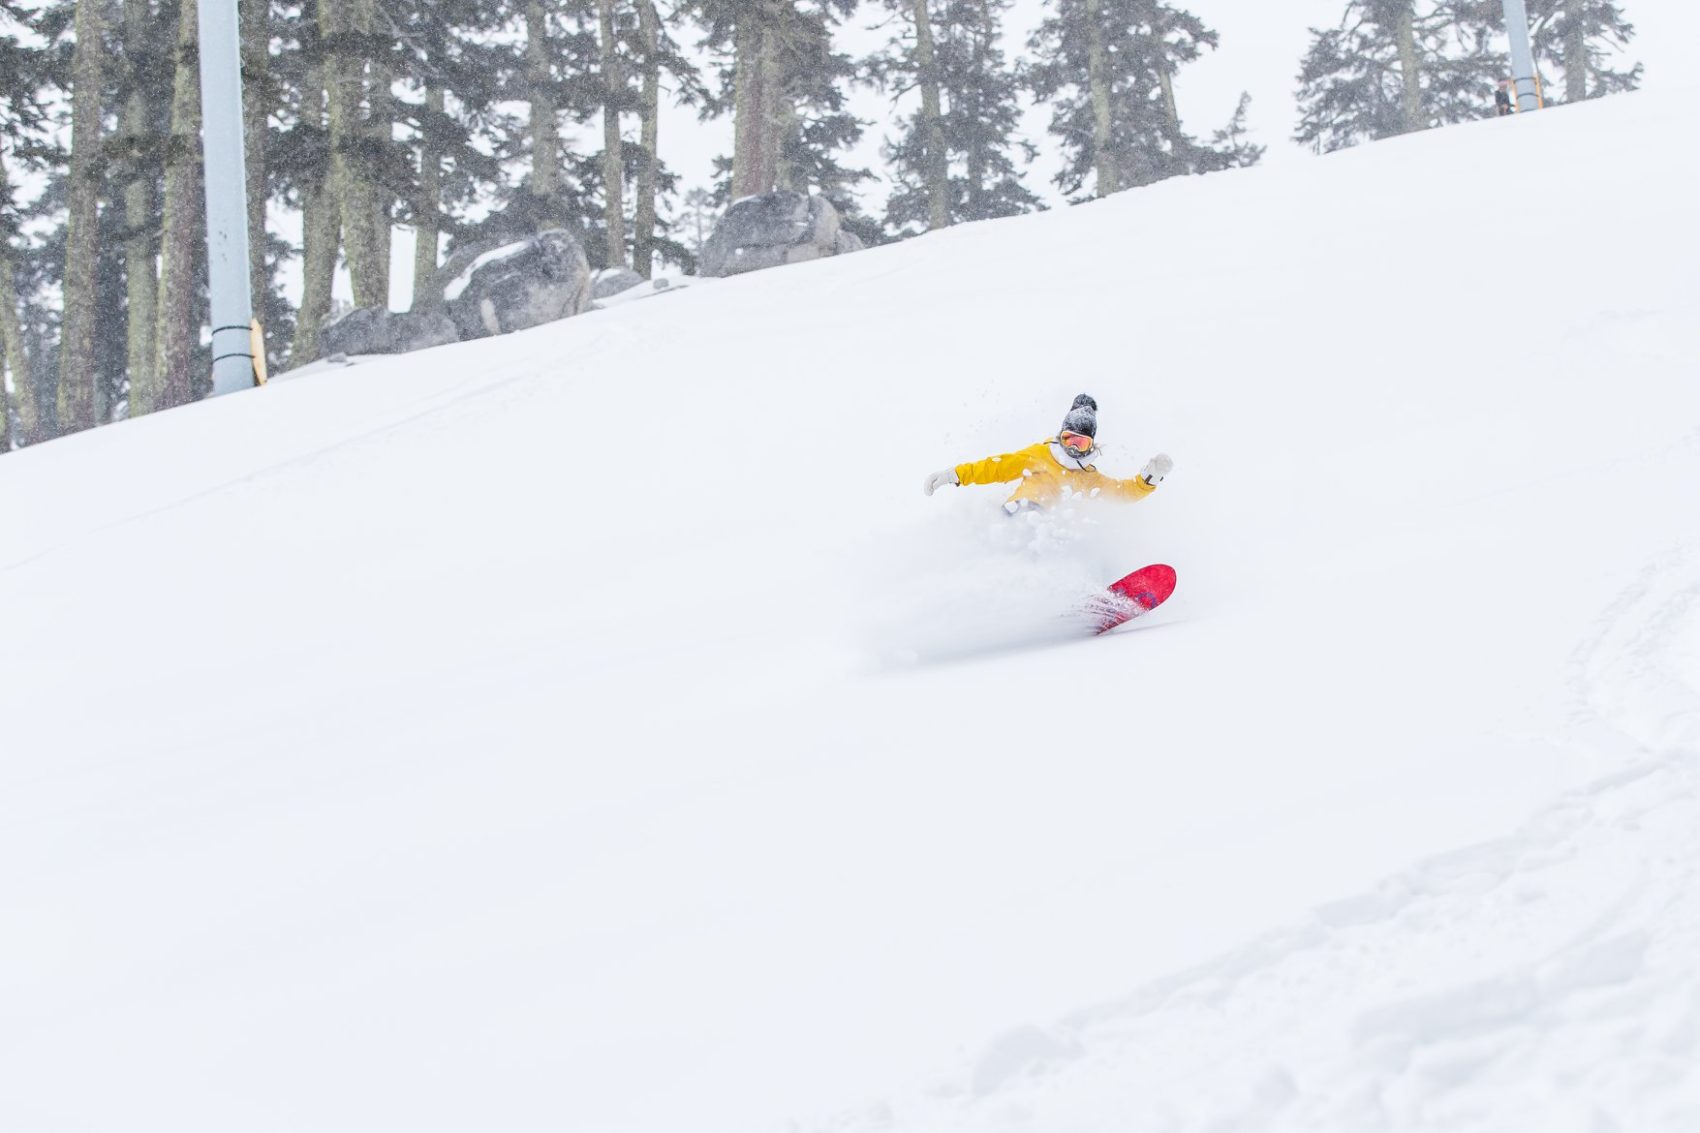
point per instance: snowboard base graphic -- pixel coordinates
(1127, 598)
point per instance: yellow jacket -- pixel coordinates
(1044, 471)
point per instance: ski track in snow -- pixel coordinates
(1580, 930)
(485, 392)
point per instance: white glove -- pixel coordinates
(1156, 468)
(939, 479)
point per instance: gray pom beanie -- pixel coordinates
(1082, 417)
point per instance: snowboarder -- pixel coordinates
(1055, 465)
(1502, 99)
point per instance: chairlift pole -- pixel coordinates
(1522, 55)
(227, 196)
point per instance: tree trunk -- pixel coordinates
(14, 356)
(14, 362)
(380, 134)
(1410, 69)
(643, 224)
(779, 117)
(141, 269)
(1575, 52)
(179, 282)
(613, 155)
(976, 156)
(82, 235)
(545, 126)
(341, 23)
(427, 226)
(256, 113)
(321, 232)
(751, 172)
(1171, 109)
(932, 121)
(1098, 87)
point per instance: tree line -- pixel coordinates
(465, 121)
(1397, 66)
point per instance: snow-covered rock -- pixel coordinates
(431, 293)
(611, 281)
(771, 229)
(660, 285)
(520, 285)
(371, 330)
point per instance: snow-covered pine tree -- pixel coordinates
(257, 96)
(1230, 147)
(77, 374)
(301, 160)
(1394, 67)
(138, 167)
(545, 90)
(696, 220)
(661, 60)
(785, 86)
(66, 296)
(1121, 127)
(617, 98)
(635, 55)
(1578, 42)
(956, 157)
(488, 83)
(358, 67)
(25, 72)
(1582, 41)
(457, 70)
(19, 413)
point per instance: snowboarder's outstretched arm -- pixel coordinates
(992, 470)
(1145, 483)
(1002, 469)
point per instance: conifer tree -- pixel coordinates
(25, 74)
(142, 133)
(956, 158)
(257, 98)
(543, 94)
(77, 374)
(301, 158)
(1394, 67)
(183, 241)
(557, 79)
(615, 99)
(1121, 127)
(696, 222)
(357, 109)
(785, 86)
(17, 381)
(1580, 41)
(660, 58)
(644, 220)
(459, 70)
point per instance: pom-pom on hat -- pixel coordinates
(1082, 417)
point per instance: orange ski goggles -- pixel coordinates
(1078, 443)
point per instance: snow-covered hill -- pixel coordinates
(597, 729)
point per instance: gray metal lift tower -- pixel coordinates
(227, 196)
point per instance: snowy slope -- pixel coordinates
(597, 729)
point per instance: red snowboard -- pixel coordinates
(1139, 593)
